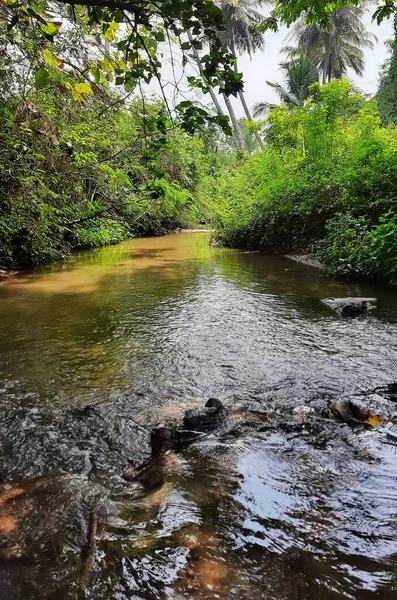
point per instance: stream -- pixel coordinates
(95, 351)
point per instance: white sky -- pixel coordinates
(264, 66)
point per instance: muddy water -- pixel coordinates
(96, 351)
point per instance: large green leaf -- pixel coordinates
(42, 78)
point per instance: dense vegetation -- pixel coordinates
(73, 176)
(86, 159)
(387, 92)
(326, 183)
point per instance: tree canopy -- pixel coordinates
(124, 42)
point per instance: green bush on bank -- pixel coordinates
(326, 182)
(77, 176)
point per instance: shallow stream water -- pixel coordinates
(96, 351)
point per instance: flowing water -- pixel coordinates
(97, 350)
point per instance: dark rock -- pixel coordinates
(353, 310)
(351, 307)
(204, 419)
(348, 411)
(162, 438)
(86, 411)
(214, 403)
(371, 409)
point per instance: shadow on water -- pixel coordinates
(125, 336)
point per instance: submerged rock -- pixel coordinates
(48, 531)
(372, 409)
(351, 307)
(204, 419)
(169, 436)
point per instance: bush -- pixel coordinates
(328, 173)
(353, 247)
(74, 176)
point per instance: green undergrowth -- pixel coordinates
(76, 176)
(326, 183)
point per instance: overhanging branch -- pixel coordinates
(132, 7)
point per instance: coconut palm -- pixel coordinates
(338, 48)
(241, 34)
(300, 73)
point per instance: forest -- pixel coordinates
(91, 155)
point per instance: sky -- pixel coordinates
(264, 66)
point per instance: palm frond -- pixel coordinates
(286, 96)
(260, 109)
(241, 19)
(338, 48)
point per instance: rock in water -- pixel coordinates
(351, 310)
(204, 419)
(351, 307)
(372, 409)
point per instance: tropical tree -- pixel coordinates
(300, 73)
(387, 92)
(337, 48)
(241, 34)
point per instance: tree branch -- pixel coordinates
(140, 12)
(83, 219)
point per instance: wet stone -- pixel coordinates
(204, 419)
(351, 307)
(373, 409)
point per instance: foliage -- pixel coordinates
(85, 160)
(72, 176)
(127, 38)
(241, 19)
(387, 92)
(300, 73)
(325, 182)
(319, 11)
(337, 47)
(353, 246)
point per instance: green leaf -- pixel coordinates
(49, 28)
(97, 74)
(111, 31)
(42, 78)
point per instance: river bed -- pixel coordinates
(96, 351)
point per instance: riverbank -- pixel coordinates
(324, 185)
(74, 176)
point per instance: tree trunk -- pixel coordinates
(238, 139)
(211, 90)
(236, 128)
(243, 102)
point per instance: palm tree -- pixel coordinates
(300, 73)
(338, 48)
(238, 138)
(241, 34)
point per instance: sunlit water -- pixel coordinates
(147, 328)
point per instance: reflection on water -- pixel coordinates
(149, 327)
